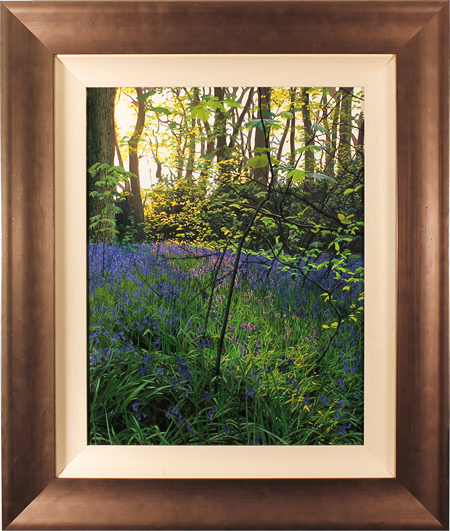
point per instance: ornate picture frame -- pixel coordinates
(32, 34)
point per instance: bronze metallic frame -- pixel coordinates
(32, 33)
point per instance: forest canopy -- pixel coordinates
(205, 155)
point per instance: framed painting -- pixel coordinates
(52, 51)
(187, 387)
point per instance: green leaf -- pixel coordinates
(274, 161)
(322, 177)
(309, 147)
(297, 176)
(287, 115)
(259, 124)
(161, 110)
(200, 112)
(210, 97)
(319, 127)
(263, 150)
(232, 103)
(259, 161)
(143, 97)
(349, 191)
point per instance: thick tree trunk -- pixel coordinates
(133, 143)
(100, 140)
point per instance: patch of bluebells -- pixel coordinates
(114, 334)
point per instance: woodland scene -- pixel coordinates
(226, 265)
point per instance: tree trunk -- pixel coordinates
(292, 156)
(192, 139)
(133, 143)
(345, 128)
(308, 134)
(359, 143)
(100, 141)
(330, 161)
(261, 175)
(220, 127)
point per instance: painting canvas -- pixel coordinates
(226, 265)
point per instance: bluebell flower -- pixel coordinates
(172, 410)
(324, 400)
(341, 383)
(143, 371)
(250, 393)
(343, 429)
(135, 406)
(206, 396)
(157, 343)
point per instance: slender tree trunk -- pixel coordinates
(125, 204)
(100, 140)
(133, 143)
(292, 135)
(220, 132)
(192, 140)
(331, 152)
(236, 126)
(360, 138)
(308, 135)
(345, 128)
(261, 175)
